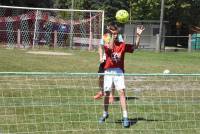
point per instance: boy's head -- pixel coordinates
(113, 29)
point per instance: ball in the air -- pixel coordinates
(122, 16)
(166, 71)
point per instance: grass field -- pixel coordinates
(62, 103)
(84, 61)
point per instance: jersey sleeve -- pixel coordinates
(101, 42)
(129, 48)
(120, 38)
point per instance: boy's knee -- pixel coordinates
(107, 93)
(122, 92)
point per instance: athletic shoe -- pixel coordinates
(125, 122)
(102, 119)
(111, 99)
(99, 95)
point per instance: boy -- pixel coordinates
(114, 71)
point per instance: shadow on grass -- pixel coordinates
(135, 120)
(127, 98)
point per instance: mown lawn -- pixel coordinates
(16, 60)
(62, 103)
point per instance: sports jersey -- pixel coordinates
(106, 39)
(115, 57)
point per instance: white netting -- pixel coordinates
(63, 103)
(24, 27)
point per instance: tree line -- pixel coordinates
(183, 12)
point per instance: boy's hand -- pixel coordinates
(101, 60)
(111, 31)
(140, 29)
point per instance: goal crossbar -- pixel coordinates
(51, 9)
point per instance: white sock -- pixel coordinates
(105, 114)
(125, 114)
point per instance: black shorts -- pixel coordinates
(101, 67)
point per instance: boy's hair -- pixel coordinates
(112, 28)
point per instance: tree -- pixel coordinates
(63, 4)
(185, 11)
(110, 7)
(145, 9)
(28, 3)
(67, 4)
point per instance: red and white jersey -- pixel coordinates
(115, 57)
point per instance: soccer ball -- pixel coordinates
(122, 16)
(166, 71)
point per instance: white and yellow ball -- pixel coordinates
(122, 16)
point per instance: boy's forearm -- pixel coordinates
(139, 31)
(111, 43)
(100, 53)
(137, 41)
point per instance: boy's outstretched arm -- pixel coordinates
(139, 31)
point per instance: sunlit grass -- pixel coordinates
(64, 104)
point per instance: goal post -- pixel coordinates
(31, 27)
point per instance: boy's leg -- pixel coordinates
(100, 94)
(111, 98)
(106, 101)
(120, 86)
(106, 104)
(107, 89)
(124, 108)
(123, 100)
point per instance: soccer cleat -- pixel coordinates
(99, 95)
(102, 119)
(125, 122)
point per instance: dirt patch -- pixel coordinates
(48, 53)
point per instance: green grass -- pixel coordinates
(63, 103)
(83, 61)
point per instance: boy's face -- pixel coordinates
(115, 33)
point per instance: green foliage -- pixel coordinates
(186, 11)
(28, 3)
(110, 7)
(67, 4)
(63, 4)
(145, 9)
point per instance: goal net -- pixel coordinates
(63, 103)
(32, 27)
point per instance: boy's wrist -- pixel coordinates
(138, 35)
